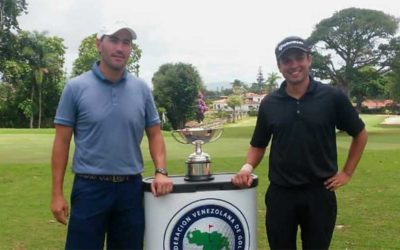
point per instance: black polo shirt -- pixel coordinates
(303, 148)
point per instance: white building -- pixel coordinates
(251, 101)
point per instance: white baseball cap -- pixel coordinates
(113, 28)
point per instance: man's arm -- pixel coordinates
(243, 178)
(59, 160)
(162, 184)
(354, 155)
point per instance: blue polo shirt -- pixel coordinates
(109, 120)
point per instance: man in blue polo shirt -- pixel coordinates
(107, 110)
(301, 118)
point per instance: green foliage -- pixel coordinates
(262, 86)
(175, 89)
(34, 80)
(26, 107)
(233, 102)
(350, 40)
(88, 55)
(238, 87)
(272, 82)
(220, 113)
(133, 62)
(45, 56)
(252, 112)
(9, 11)
(370, 84)
(259, 86)
(393, 88)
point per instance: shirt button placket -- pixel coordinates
(298, 107)
(113, 95)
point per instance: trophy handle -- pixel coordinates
(178, 137)
(218, 133)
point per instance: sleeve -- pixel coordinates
(151, 117)
(348, 118)
(66, 110)
(262, 131)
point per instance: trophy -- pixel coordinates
(198, 163)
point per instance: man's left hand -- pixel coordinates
(336, 181)
(161, 185)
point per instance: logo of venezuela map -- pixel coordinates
(209, 224)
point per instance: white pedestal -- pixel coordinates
(201, 215)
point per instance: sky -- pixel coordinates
(223, 39)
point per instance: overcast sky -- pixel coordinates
(224, 39)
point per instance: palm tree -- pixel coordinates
(43, 54)
(272, 82)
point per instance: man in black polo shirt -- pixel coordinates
(301, 118)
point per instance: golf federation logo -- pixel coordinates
(207, 224)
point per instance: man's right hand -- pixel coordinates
(242, 179)
(59, 208)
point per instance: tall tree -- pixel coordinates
(350, 40)
(32, 80)
(176, 87)
(45, 56)
(9, 11)
(260, 82)
(88, 55)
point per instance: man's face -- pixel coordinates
(295, 66)
(115, 50)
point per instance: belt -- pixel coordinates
(107, 178)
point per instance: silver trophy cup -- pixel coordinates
(198, 163)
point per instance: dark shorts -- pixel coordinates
(313, 209)
(102, 210)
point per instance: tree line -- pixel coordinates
(357, 50)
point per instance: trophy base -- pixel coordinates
(199, 177)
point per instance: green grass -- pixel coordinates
(368, 206)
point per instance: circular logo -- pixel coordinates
(207, 224)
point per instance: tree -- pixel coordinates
(260, 82)
(45, 55)
(393, 87)
(233, 102)
(32, 79)
(272, 82)
(88, 55)
(13, 92)
(238, 87)
(175, 88)
(9, 11)
(350, 40)
(370, 84)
